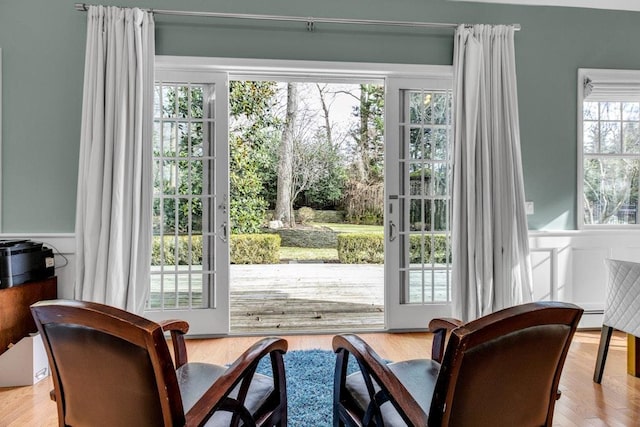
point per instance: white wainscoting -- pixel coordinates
(63, 246)
(567, 265)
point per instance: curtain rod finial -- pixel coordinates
(82, 7)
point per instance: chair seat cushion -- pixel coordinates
(419, 378)
(196, 378)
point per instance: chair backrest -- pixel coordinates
(622, 304)
(109, 367)
(503, 369)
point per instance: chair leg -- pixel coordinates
(603, 348)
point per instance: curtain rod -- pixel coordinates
(310, 21)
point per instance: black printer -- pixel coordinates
(23, 261)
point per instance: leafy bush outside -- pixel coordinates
(441, 254)
(255, 249)
(265, 248)
(361, 248)
(369, 248)
(169, 250)
(305, 215)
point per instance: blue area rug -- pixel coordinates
(309, 385)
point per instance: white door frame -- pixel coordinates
(399, 313)
(396, 313)
(213, 318)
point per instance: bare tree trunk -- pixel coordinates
(363, 149)
(284, 209)
(325, 112)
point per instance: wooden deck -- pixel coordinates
(296, 298)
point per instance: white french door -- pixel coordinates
(190, 265)
(417, 233)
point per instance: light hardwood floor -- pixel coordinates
(616, 402)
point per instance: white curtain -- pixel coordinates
(490, 248)
(113, 214)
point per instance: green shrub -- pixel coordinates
(168, 253)
(255, 248)
(305, 215)
(361, 248)
(328, 216)
(441, 254)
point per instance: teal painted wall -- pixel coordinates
(42, 45)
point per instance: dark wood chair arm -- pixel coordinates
(447, 323)
(241, 371)
(377, 368)
(177, 328)
(440, 327)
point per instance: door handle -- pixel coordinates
(223, 232)
(392, 231)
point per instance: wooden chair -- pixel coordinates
(114, 368)
(500, 370)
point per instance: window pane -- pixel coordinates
(590, 137)
(157, 178)
(439, 178)
(428, 143)
(157, 143)
(183, 101)
(169, 177)
(416, 107)
(416, 181)
(184, 178)
(415, 143)
(415, 286)
(197, 149)
(441, 108)
(440, 140)
(611, 191)
(169, 144)
(157, 93)
(590, 111)
(610, 111)
(631, 111)
(427, 99)
(183, 139)
(196, 171)
(610, 137)
(196, 102)
(440, 215)
(415, 215)
(168, 101)
(631, 135)
(196, 220)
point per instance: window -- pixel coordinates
(609, 160)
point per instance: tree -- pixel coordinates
(369, 135)
(284, 201)
(251, 131)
